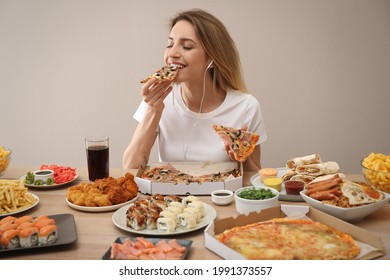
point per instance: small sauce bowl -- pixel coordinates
(43, 174)
(222, 197)
(294, 187)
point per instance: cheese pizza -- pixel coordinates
(165, 73)
(241, 142)
(285, 239)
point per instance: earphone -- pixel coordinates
(186, 143)
(208, 66)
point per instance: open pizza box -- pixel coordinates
(371, 246)
(193, 168)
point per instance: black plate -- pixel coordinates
(182, 242)
(66, 233)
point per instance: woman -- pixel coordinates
(208, 89)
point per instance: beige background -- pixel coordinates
(71, 69)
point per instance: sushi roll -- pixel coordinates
(39, 218)
(198, 205)
(189, 199)
(169, 214)
(29, 237)
(169, 198)
(194, 212)
(151, 218)
(187, 221)
(174, 209)
(44, 222)
(23, 219)
(24, 225)
(136, 217)
(166, 225)
(5, 227)
(159, 203)
(8, 219)
(47, 235)
(177, 204)
(10, 239)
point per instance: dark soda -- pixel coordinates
(98, 162)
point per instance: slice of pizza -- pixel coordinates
(165, 73)
(241, 142)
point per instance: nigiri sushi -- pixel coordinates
(29, 237)
(10, 239)
(47, 235)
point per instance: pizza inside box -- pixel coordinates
(148, 186)
(371, 246)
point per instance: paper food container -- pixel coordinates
(193, 168)
(371, 245)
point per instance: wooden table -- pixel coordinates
(96, 231)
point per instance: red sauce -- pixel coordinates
(293, 187)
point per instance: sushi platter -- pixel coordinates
(119, 219)
(65, 234)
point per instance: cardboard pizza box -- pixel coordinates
(370, 244)
(194, 168)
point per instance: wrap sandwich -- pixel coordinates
(305, 160)
(318, 169)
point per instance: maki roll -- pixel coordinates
(176, 204)
(23, 219)
(198, 205)
(189, 199)
(136, 217)
(45, 222)
(174, 209)
(5, 227)
(169, 198)
(10, 239)
(166, 225)
(169, 214)
(39, 218)
(187, 221)
(193, 211)
(25, 225)
(151, 218)
(8, 219)
(29, 237)
(47, 235)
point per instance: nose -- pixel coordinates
(173, 51)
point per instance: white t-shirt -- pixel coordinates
(184, 135)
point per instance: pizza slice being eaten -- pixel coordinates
(165, 73)
(241, 142)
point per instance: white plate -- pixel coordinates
(46, 187)
(119, 219)
(352, 214)
(102, 208)
(256, 181)
(24, 209)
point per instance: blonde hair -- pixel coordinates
(218, 45)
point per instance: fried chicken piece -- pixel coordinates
(104, 192)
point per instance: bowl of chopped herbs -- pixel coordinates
(251, 199)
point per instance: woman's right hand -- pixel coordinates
(154, 92)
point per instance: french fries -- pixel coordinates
(14, 196)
